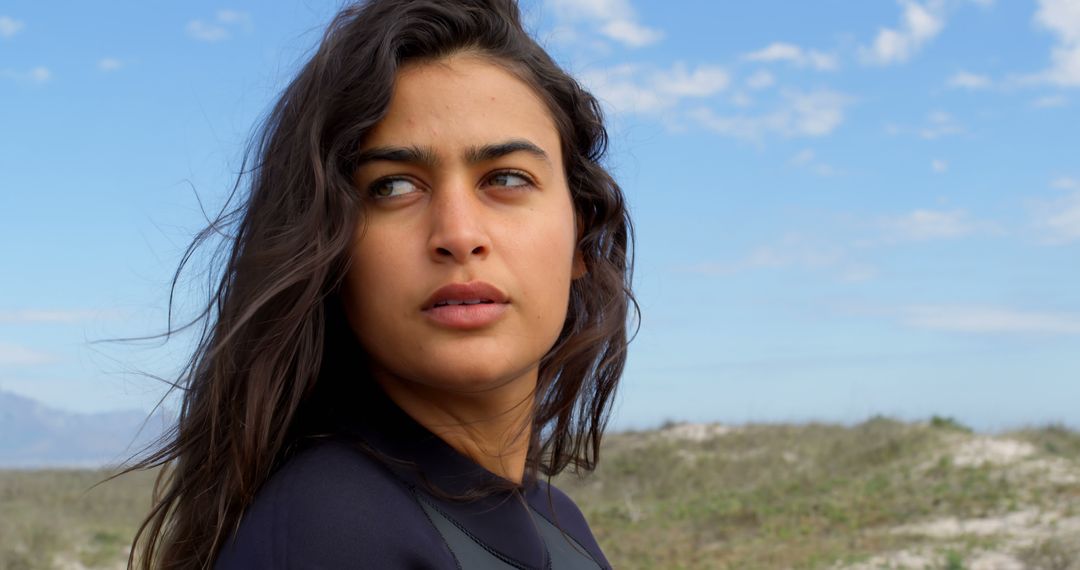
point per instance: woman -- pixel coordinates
(422, 311)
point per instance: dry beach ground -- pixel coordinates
(877, 495)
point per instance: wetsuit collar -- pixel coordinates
(500, 520)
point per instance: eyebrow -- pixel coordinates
(426, 156)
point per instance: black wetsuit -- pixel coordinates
(333, 506)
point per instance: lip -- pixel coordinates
(465, 317)
(466, 291)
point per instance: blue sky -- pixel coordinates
(843, 208)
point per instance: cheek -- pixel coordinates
(545, 261)
(373, 276)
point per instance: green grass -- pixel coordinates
(762, 496)
(774, 496)
(48, 514)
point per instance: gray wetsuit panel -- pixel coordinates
(472, 555)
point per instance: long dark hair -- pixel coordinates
(272, 321)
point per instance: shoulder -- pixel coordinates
(559, 509)
(332, 506)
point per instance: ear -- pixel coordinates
(579, 269)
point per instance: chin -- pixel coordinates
(472, 376)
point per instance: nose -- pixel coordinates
(458, 232)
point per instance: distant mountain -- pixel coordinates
(35, 435)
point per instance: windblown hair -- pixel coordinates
(272, 321)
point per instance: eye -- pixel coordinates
(510, 179)
(390, 188)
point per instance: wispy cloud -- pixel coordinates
(109, 64)
(1050, 102)
(807, 158)
(234, 17)
(17, 355)
(36, 76)
(791, 53)
(55, 316)
(791, 251)
(207, 32)
(924, 225)
(10, 26)
(1061, 18)
(760, 80)
(938, 124)
(984, 319)
(221, 27)
(636, 89)
(919, 23)
(844, 260)
(939, 166)
(968, 80)
(1065, 183)
(630, 33)
(799, 114)
(614, 19)
(1058, 220)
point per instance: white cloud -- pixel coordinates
(10, 26)
(35, 76)
(593, 9)
(817, 113)
(807, 158)
(858, 273)
(618, 88)
(1059, 219)
(1065, 223)
(221, 27)
(631, 33)
(16, 355)
(803, 157)
(1062, 18)
(741, 99)
(631, 88)
(206, 32)
(938, 124)
(812, 114)
(1050, 102)
(109, 64)
(1065, 183)
(791, 251)
(703, 81)
(938, 165)
(919, 24)
(760, 80)
(924, 225)
(40, 74)
(615, 19)
(780, 51)
(983, 319)
(966, 80)
(233, 17)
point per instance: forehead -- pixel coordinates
(463, 101)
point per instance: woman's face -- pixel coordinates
(463, 183)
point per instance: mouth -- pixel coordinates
(466, 306)
(451, 302)
(466, 314)
(467, 294)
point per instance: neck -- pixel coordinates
(491, 427)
